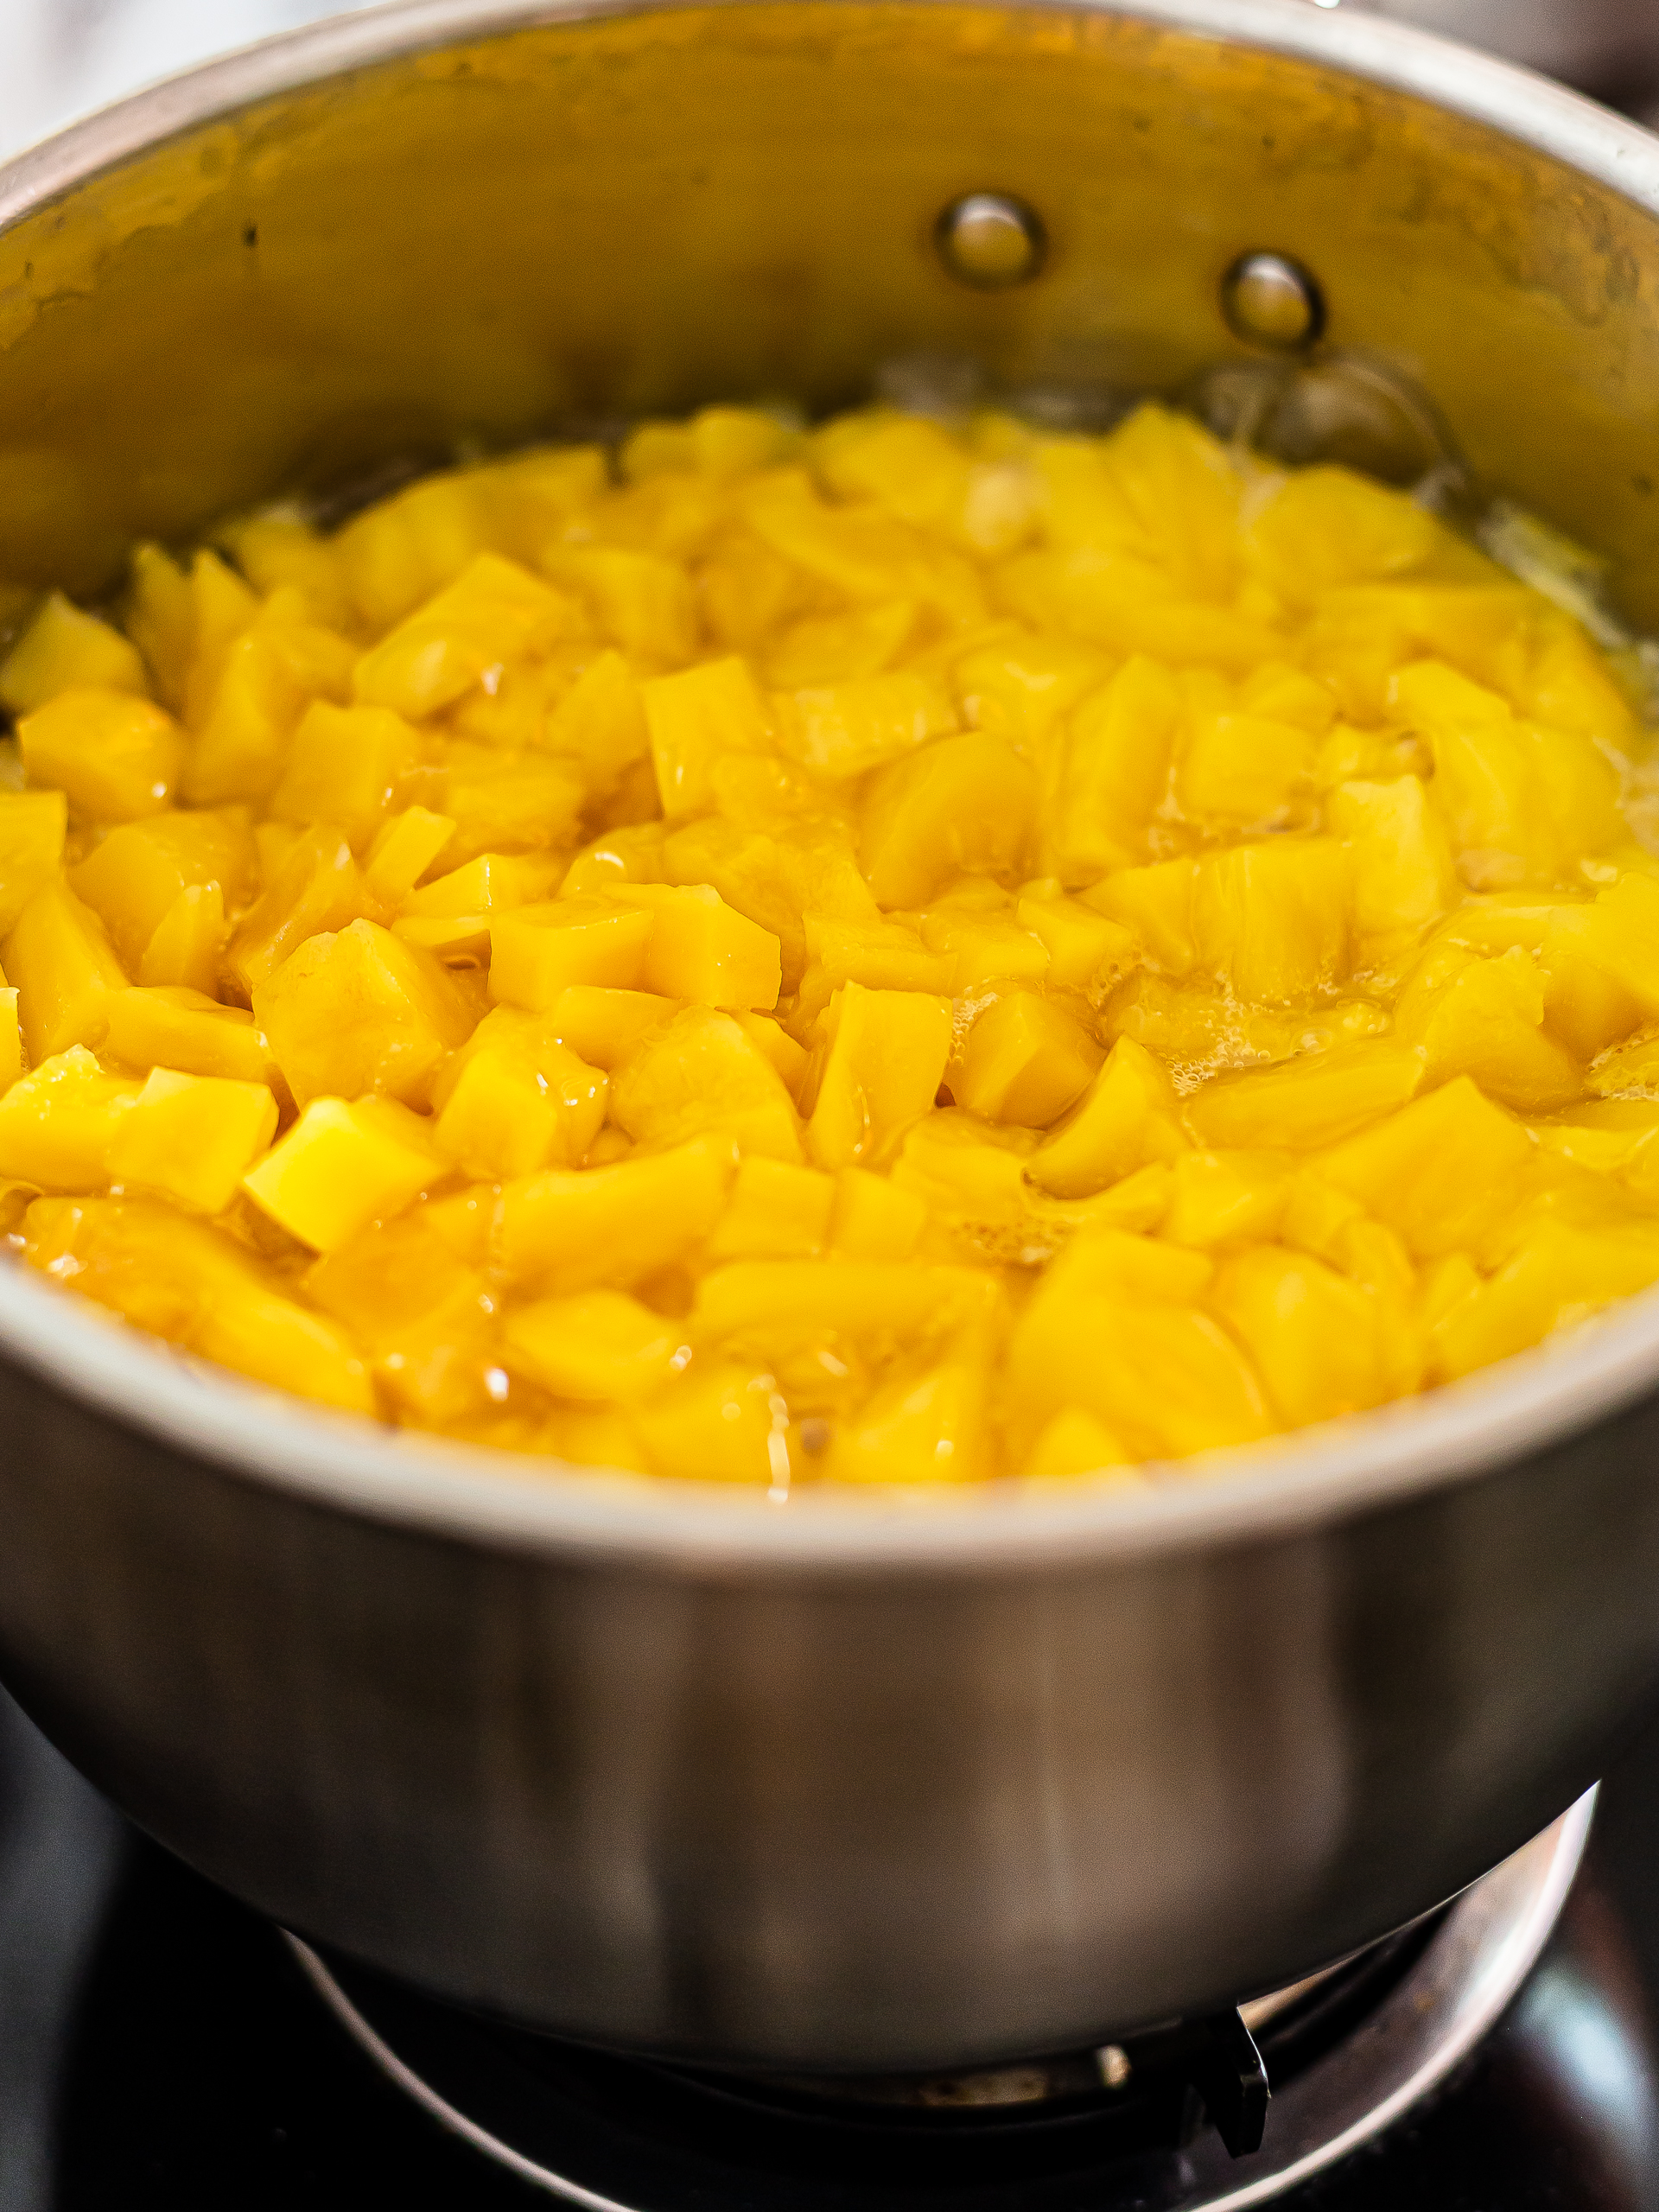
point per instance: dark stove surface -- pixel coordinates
(160, 2047)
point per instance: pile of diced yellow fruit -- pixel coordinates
(896, 953)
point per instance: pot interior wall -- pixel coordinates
(577, 220)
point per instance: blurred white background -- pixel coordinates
(58, 58)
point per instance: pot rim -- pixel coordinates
(1289, 1486)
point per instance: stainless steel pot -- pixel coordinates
(848, 1782)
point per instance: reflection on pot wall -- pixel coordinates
(59, 58)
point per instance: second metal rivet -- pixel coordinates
(1270, 300)
(990, 239)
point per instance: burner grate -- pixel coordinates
(1115, 2130)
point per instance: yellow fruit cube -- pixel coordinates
(315, 887)
(245, 714)
(1026, 1060)
(58, 1122)
(1326, 1222)
(11, 1039)
(1086, 951)
(846, 729)
(134, 878)
(422, 1310)
(1621, 936)
(700, 1074)
(1226, 1199)
(1075, 1443)
(222, 611)
(1323, 1344)
(458, 941)
(1404, 878)
(1315, 1099)
(33, 825)
(347, 766)
(1560, 1273)
(1443, 1171)
(1167, 1379)
(830, 648)
(191, 1139)
(508, 802)
(1113, 773)
(602, 1026)
(190, 1282)
(537, 953)
(913, 466)
(279, 547)
(495, 611)
(884, 956)
(1126, 1119)
(961, 804)
(860, 552)
(984, 947)
(115, 756)
(720, 1423)
(923, 1424)
(970, 1174)
(1243, 768)
(768, 1035)
(1273, 918)
(597, 1347)
(874, 1218)
(771, 879)
(1021, 688)
(1523, 805)
(884, 1054)
(724, 442)
(641, 603)
(601, 723)
(1155, 905)
(161, 621)
(64, 650)
(403, 849)
(189, 942)
(1129, 1269)
(1326, 527)
(1485, 1018)
(400, 550)
(174, 1026)
(694, 719)
(777, 1212)
(64, 968)
(489, 882)
(343, 1164)
(566, 1229)
(358, 1010)
(701, 950)
(1588, 1007)
(1570, 687)
(1182, 487)
(514, 1099)
(771, 1303)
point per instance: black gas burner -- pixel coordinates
(163, 2050)
(1172, 2120)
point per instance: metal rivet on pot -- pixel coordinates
(1271, 299)
(990, 239)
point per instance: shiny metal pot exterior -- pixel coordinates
(850, 1780)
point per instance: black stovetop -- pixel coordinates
(160, 2047)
